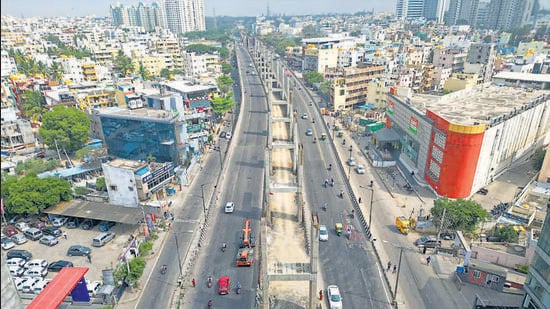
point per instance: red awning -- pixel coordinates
(55, 292)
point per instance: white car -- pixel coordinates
(351, 161)
(36, 272)
(17, 271)
(39, 287)
(7, 243)
(19, 239)
(228, 135)
(29, 285)
(93, 287)
(323, 233)
(304, 116)
(229, 207)
(19, 282)
(360, 169)
(334, 297)
(36, 263)
(59, 221)
(22, 226)
(15, 262)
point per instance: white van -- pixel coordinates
(15, 262)
(40, 263)
(102, 239)
(39, 287)
(36, 272)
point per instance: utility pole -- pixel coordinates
(441, 224)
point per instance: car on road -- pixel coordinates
(57, 265)
(351, 161)
(304, 116)
(229, 207)
(78, 250)
(17, 253)
(427, 241)
(104, 226)
(88, 224)
(49, 240)
(323, 233)
(228, 135)
(22, 226)
(334, 297)
(19, 239)
(360, 169)
(222, 135)
(52, 231)
(223, 285)
(309, 132)
(7, 243)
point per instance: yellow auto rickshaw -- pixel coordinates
(339, 228)
(323, 136)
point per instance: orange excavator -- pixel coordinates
(247, 241)
(245, 255)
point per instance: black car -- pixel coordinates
(88, 224)
(57, 265)
(17, 253)
(52, 230)
(78, 250)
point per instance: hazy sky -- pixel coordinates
(49, 8)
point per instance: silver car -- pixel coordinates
(49, 240)
(19, 239)
(360, 169)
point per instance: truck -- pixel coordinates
(247, 240)
(245, 257)
(403, 224)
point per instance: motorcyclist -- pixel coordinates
(325, 205)
(163, 269)
(224, 246)
(210, 303)
(313, 120)
(330, 167)
(315, 139)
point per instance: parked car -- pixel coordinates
(38, 224)
(104, 226)
(16, 271)
(36, 272)
(40, 263)
(360, 169)
(22, 226)
(10, 230)
(7, 243)
(88, 224)
(16, 218)
(17, 253)
(59, 221)
(78, 250)
(39, 287)
(351, 161)
(323, 233)
(19, 239)
(33, 233)
(52, 231)
(334, 297)
(427, 241)
(29, 284)
(49, 240)
(229, 207)
(19, 282)
(72, 223)
(15, 262)
(102, 239)
(93, 287)
(57, 265)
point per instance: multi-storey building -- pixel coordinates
(8, 65)
(350, 89)
(481, 60)
(449, 58)
(428, 9)
(461, 11)
(460, 142)
(147, 17)
(184, 15)
(17, 136)
(537, 284)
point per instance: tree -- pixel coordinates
(35, 166)
(460, 214)
(224, 84)
(68, 126)
(282, 45)
(313, 77)
(32, 195)
(311, 31)
(100, 184)
(55, 72)
(33, 103)
(226, 68)
(506, 234)
(143, 72)
(221, 105)
(123, 63)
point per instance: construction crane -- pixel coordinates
(247, 241)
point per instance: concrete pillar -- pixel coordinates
(263, 268)
(314, 260)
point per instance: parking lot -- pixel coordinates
(105, 257)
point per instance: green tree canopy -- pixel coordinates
(35, 166)
(311, 31)
(313, 77)
(506, 234)
(281, 46)
(227, 68)
(224, 84)
(123, 63)
(460, 214)
(143, 72)
(33, 105)
(221, 105)
(32, 195)
(69, 126)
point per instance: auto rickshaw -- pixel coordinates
(339, 228)
(323, 136)
(340, 134)
(336, 128)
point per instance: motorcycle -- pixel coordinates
(163, 269)
(330, 167)
(210, 303)
(238, 288)
(224, 246)
(341, 194)
(209, 281)
(325, 207)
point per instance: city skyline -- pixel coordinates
(100, 8)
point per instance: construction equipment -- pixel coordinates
(245, 257)
(403, 224)
(247, 241)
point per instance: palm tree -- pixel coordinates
(55, 72)
(33, 105)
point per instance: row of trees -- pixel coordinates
(28, 66)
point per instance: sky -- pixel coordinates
(51, 8)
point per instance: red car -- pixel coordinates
(223, 285)
(10, 230)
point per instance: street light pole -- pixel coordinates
(371, 201)
(349, 161)
(179, 257)
(394, 301)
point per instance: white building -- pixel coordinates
(184, 15)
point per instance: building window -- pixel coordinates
(113, 188)
(437, 154)
(440, 139)
(435, 169)
(477, 274)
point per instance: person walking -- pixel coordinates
(389, 266)
(424, 250)
(394, 269)
(428, 260)
(65, 235)
(193, 282)
(359, 200)
(89, 256)
(320, 294)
